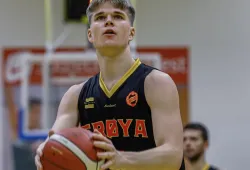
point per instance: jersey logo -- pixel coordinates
(110, 128)
(132, 99)
(89, 103)
(109, 105)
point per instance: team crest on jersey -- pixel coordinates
(89, 103)
(132, 99)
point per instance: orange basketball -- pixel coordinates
(70, 149)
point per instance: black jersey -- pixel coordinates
(122, 113)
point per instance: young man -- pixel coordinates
(195, 145)
(133, 109)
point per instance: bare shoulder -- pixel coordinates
(75, 89)
(72, 93)
(159, 85)
(67, 114)
(159, 78)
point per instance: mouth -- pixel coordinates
(189, 150)
(109, 32)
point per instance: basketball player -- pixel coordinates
(195, 145)
(132, 108)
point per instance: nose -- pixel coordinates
(187, 142)
(188, 145)
(109, 21)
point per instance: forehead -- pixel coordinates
(192, 133)
(107, 7)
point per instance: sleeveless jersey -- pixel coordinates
(122, 113)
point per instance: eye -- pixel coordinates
(118, 17)
(101, 17)
(194, 139)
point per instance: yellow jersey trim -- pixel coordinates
(206, 167)
(118, 84)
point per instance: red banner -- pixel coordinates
(174, 62)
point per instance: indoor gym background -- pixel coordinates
(215, 36)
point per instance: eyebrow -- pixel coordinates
(99, 13)
(118, 12)
(115, 12)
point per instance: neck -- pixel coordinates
(198, 164)
(114, 67)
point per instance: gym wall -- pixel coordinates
(217, 33)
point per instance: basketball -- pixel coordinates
(70, 149)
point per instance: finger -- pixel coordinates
(105, 155)
(39, 152)
(108, 164)
(100, 137)
(51, 132)
(103, 145)
(38, 163)
(97, 131)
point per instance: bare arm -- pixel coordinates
(67, 115)
(162, 97)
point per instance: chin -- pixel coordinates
(110, 44)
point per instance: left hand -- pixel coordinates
(112, 157)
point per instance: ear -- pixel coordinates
(132, 33)
(206, 145)
(90, 37)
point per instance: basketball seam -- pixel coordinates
(57, 165)
(74, 148)
(100, 162)
(69, 151)
(87, 135)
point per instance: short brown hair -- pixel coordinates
(121, 4)
(200, 127)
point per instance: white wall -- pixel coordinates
(24, 23)
(218, 33)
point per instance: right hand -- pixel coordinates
(39, 153)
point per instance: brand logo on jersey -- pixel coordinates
(109, 105)
(110, 128)
(132, 99)
(89, 103)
